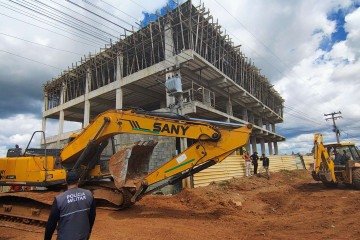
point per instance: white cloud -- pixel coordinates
(312, 81)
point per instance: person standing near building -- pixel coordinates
(254, 159)
(265, 163)
(246, 157)
(73, 211)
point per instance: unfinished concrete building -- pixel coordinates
(218, 81)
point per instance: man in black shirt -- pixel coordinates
(73, 211)
(265, 162)
(254, 159)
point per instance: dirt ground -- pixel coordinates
(288, 206)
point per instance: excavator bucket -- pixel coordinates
(131, 163)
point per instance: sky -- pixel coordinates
(309, 50)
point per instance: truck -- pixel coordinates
(336, 163)
(124, 178)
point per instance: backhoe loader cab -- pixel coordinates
(336, 163)
(342, 152)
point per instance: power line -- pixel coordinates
(90, 25)
(61, 21)
(77, 13)
(47, 23)
(77, 5)
(62, 50)
(118, 9)
(261, 42)
(29, 59)
(334, 116)
(103, 10)
(303, 115)
(47, 29)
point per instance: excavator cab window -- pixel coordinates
(341, 154)
(355, 153)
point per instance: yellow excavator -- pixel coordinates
(336, 163)
(124, 178)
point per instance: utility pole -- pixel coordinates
(334, 117)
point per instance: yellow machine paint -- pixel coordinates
(30, 170)
(212, 144)
(336, 163)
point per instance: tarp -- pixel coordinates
(152, 17)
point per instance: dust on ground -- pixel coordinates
(288, 206)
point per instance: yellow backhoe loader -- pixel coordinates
(336, 163)
(124, 178)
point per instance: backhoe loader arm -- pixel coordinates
(322, 159)
(115, 122)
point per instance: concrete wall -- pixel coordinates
(164, 150)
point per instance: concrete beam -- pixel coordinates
(142, 90)
(217, 81)
(103, 101)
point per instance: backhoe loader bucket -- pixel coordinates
(131, 163)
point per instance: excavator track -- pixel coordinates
(33, 207)
(23, 210)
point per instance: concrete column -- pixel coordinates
(253, 144)
(61, 126)
(273, 127)
(119, 98)
(260, 122)
(119, 76)
(46, 101)
(270, 146)
(43, 128)
(229, 108)
(43, 124)
(245, 114)
(247, 146)
(62, 93)
(86, 96)
(268, 126)
(88, 81)
(251, 117)
(169, 52)
(119, 66)
(276, 150)
(87, 109)
(262, 145)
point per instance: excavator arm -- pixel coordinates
(324, 168)
(115, 122)
(213, 144)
